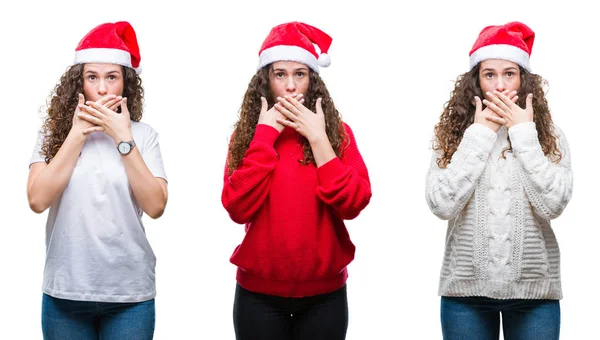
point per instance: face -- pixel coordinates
(288, 78)
(500, 75)
(100, 80)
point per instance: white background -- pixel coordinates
(392, 70)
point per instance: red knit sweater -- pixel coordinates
(296, 243)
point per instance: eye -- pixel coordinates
(489, 75)
(300, 74)
(91, 77)
(279, 74)
(112, 77)
(510, 74)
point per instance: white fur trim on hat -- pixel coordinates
(287, 53)
(103, 55)
(506, 52)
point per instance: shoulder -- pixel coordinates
(143, 129)
(558, 132)
(348, 130)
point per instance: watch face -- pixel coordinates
(124, 148)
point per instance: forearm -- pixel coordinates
(146, 188)
(548, 185)
(322, 151)
(449, 189)
(344, 182)
(50, 182)
(245, 190)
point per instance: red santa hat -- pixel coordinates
(113, 43)
(294, 41)
(512, 42)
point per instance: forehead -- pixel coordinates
(288, 65)
(101, 68)
(497, 64)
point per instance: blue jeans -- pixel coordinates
(465, 318)
(83, 320)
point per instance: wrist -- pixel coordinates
(77, 135)
(123, 137)
(318, 140)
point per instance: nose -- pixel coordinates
(102, 88)
(290, 85)
(500, 85)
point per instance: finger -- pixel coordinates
(508, 103)
(111, 101)
(123, 105)
(263, 105)
(496, 119)
(93, 129)
(81, 99)
(319, 107)
(288, 123)
(94, 109)
(500, 100)
(285, 112)
(515, 99)
(494, 108)
(300, 99)
(297, 101)
(529, 102)
(105, 99)
(477, 105)
(114, 106)
(89, 118)
(291, 104)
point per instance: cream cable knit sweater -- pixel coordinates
(499, 242)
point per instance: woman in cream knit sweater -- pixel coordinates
(499, 175)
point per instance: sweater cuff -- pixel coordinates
(265, 134)
(523, 137)
(329, 171)
(481, 137)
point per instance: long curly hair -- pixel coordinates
(250, 110)
(459, 113)
(63, 101)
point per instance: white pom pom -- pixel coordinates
(138, 70)
(324, 60)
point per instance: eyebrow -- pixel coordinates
(506, 69)
(109, 72)
(295, 70)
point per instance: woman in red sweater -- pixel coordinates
(293, 174)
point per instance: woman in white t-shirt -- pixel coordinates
(98, 169)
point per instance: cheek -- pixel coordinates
(486, 86)
(303, 86)
(89, 91)
(116, 89)
(516, 84)
(277, 88)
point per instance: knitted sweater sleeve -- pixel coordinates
(548, 185)
(245, 190)
(448, 190)
(344, 182)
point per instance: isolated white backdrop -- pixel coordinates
(392, 70)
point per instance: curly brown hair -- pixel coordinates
(250, 110)
(63, 101)
(459, 113)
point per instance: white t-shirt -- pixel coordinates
(96, 245)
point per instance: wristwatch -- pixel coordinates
(125, 147)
